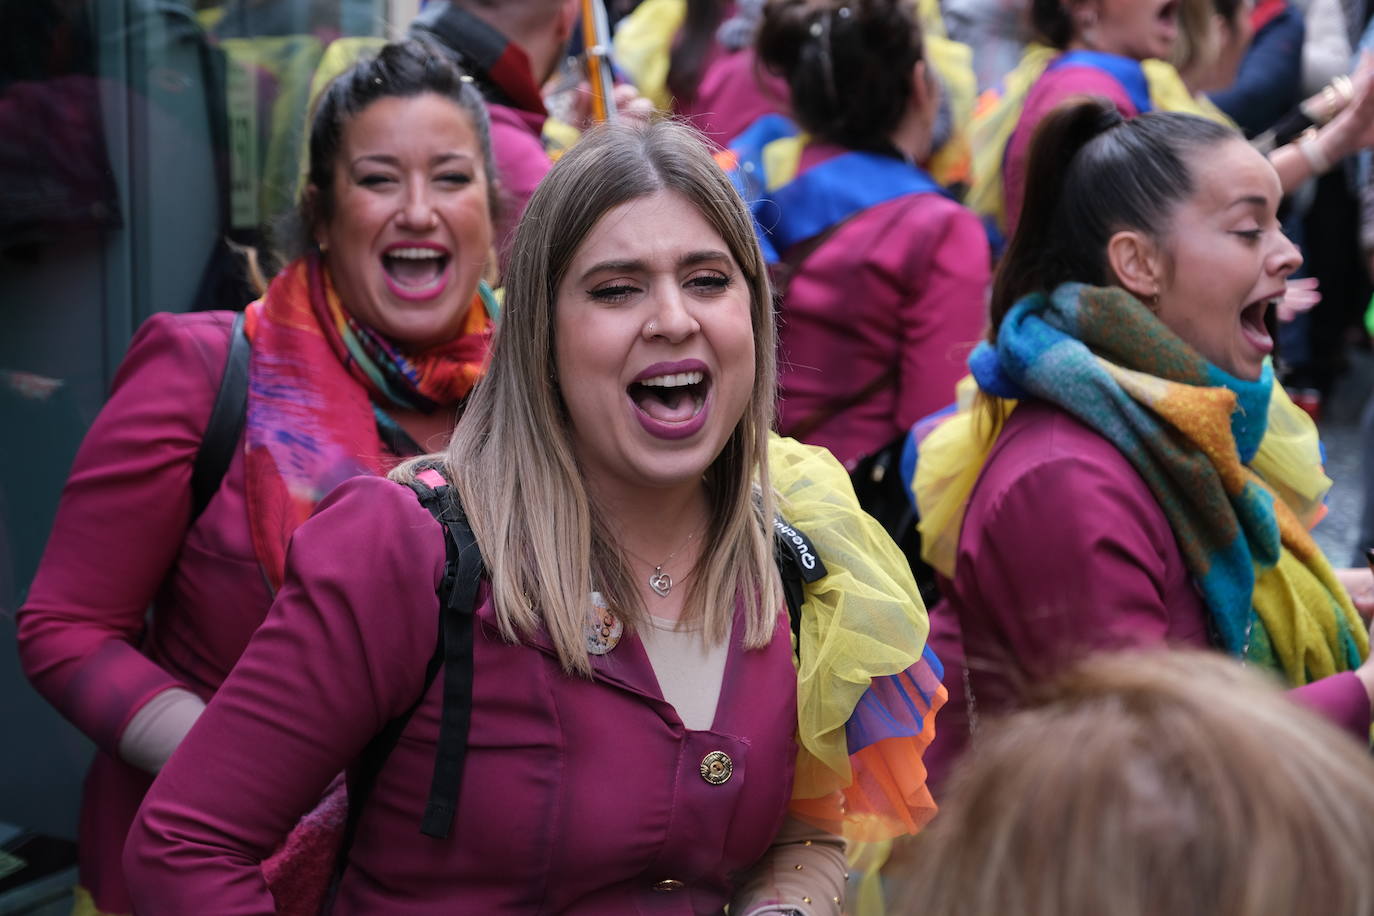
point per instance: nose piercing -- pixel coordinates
(651, 327)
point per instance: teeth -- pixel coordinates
(680, 380)
(414, 254)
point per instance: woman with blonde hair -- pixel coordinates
(638, 737)
(1160, 782)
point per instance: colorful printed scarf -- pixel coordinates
(317, 385)
(1192, 432)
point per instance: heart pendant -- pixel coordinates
(661, 583)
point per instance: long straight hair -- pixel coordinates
(546, 543)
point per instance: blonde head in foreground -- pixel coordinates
(1153, 783)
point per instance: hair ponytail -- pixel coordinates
(1031, 261)
(1089, 175)
(848, 65)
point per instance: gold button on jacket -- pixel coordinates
(716, 767)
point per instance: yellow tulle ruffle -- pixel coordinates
(864, 626)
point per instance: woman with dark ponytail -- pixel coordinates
(883, 275)
(1130, 474)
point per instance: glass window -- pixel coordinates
(143, 144)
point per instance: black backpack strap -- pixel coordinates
(225, 425)
(458, 600)
(457, 593)
(799, 565)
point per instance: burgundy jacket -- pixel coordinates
(734, 92)
(1053, 88)
(120, 544)
(579, 795)
(900, 287)
(1064, 551)
(517, 146)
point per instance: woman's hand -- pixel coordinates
(1360, 584)
(1353, 129)
(1301, 295)
(629, 104)
(1366, 670)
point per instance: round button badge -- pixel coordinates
(716, 767)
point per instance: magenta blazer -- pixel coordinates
(119, 545)
(517, 146)
(734, 92)
(901, 286)
(1065, 551)
(1053, 87)
(579, 795)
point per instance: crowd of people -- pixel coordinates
(545, 537)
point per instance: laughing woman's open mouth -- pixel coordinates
(670, 405)
(416, 271)
(1252, 323)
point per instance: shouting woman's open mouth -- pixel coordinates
(670, 400)
(417, 270)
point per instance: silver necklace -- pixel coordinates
(660, 581)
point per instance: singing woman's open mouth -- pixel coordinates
(416, 270)
(670, 400)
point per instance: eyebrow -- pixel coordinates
(634, 264)
(1256, 200)
(387, 159)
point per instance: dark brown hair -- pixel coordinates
(1051, 23)
(847, 63)
(687, 61)
(1090, 174)
(401, 69)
